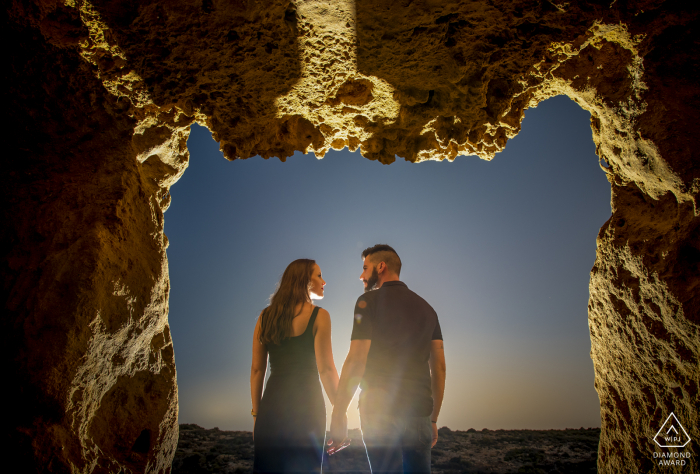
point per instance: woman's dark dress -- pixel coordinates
(291, 424)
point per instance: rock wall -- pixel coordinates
(102, 95)
(86, 345)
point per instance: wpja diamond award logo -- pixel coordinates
(672, 435)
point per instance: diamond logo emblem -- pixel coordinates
(672, 434)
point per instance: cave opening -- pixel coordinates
(102, 97)
(502, 250)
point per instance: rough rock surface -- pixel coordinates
(101, 95)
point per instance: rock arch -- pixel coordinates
(101, 98)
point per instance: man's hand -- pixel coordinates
(435, 435)
(353, 370)
(339, 433)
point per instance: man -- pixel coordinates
(397, 356)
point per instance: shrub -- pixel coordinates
(525, 455)
(530, 469)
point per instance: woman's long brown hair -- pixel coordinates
(293, 288)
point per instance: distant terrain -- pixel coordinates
(202, 451)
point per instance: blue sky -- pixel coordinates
(502, 250)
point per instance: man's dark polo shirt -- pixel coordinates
(401, 326)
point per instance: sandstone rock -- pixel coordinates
(101, 98)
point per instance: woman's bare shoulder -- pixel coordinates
(323, 316)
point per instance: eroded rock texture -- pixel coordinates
(101, 97)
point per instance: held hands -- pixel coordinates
(339, 433)
(435, 435)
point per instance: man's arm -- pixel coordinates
(353, 370)
(437, 381)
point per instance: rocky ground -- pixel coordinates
(201, 451)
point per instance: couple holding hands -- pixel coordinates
(396, 357)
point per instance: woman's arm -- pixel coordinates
(257, 369)
(324, 354)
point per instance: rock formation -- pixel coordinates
(102, 93)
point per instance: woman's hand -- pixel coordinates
(339, 433)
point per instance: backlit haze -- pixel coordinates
(502, 250)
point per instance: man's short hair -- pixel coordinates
(384, 253)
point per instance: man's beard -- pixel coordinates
(372, 280)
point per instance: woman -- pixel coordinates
(290, 420)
